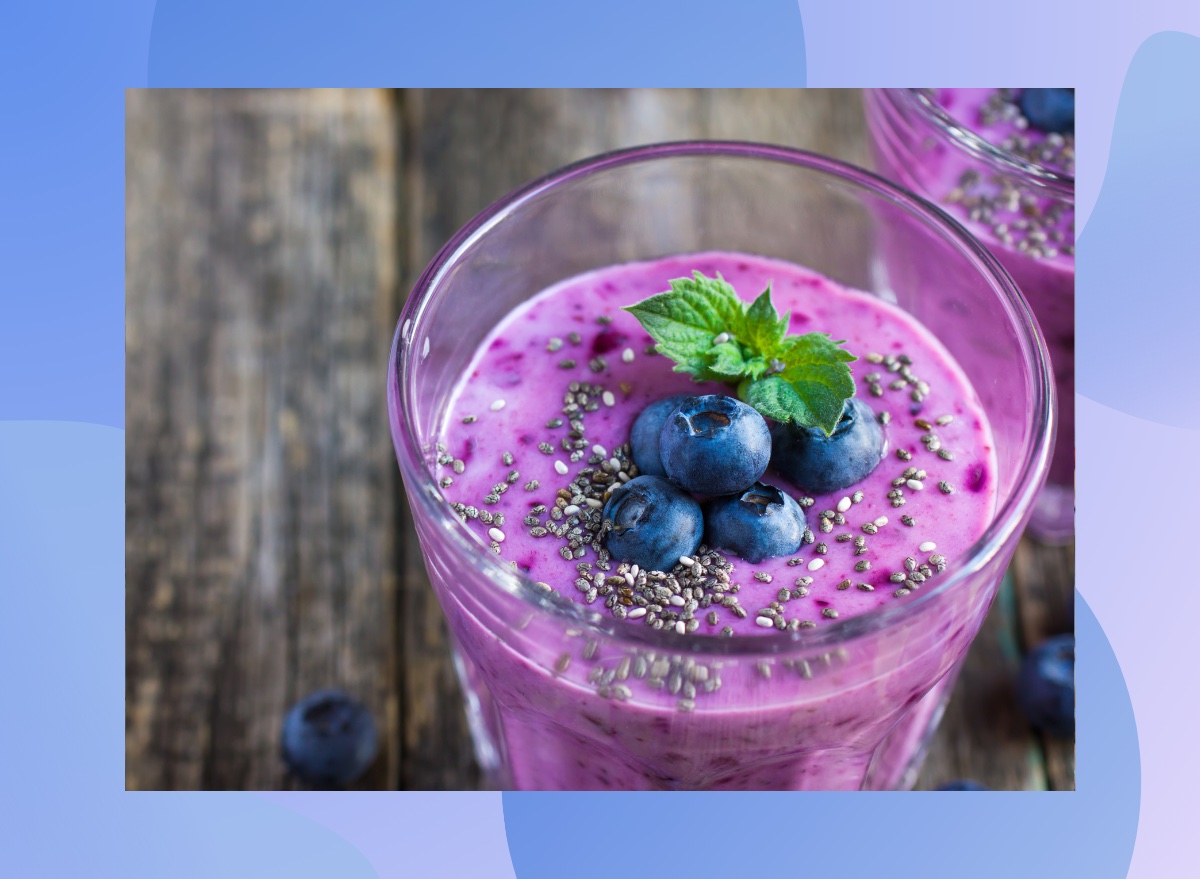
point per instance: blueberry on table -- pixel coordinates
(654, 522)
(760, 522)
(1049, 110)
(329, 739)
(821, 464)
(643, 439)
(1046, 686)
(961, 784)
(715, 445)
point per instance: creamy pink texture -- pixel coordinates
(515, 387)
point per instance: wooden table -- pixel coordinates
(271, 239)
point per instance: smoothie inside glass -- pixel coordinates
(563, 695)
(971, 152)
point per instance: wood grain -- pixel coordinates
(260, 517)
(271, 238)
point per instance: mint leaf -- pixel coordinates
(703, 326)
(815, 348)
(765, 330)
(685, 321)
(775, 398)
(726, 360)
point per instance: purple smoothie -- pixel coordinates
(1028, 221)
(538, 425)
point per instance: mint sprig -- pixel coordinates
(709, 332)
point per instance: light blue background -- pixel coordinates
(66, 64)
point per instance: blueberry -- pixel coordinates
(715, 445)
(654, 523)
(760, 522)
(643, 439)
(821, 464)
(1049, 110)
(1046, 686)
(329, 739)
(961, 784)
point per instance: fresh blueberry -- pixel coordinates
(643, 439)
(715, 445)
(1050, 110)
(760, 522)
(821, 464)
(1046, 686)
(654, 523)
(961, 784)
(329, 739)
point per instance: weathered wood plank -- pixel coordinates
(262, 272)
(1045, 579)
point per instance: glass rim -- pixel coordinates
(422, 490)
(1062, 184)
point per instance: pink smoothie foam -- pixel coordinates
(588, 717)
(1032, 234)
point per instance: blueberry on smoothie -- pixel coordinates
(760, 522)
(329, 739)
(1046, 686)
(1050, 110)
(820, 463)
(961, 784)
(654, 522)
(643, 439)
(715, 445)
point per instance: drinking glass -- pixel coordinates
(917, 144)
(560, 697)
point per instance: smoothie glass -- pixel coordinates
(560, 697)
(917, 144)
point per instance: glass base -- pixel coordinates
(1053, 519)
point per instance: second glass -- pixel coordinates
(1024, 213)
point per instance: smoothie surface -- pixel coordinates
(1004, 213)
(551, 395)
(995, 115)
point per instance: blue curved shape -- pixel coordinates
(231, 836)
(693, 43)
(62, 183)
(1089, 832)
(63, 810)
(1137, 257)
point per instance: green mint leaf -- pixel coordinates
(816, 369)
(775, 398)
(685, 321)
(815, 348)
(756, 367)
(765, 330)
(725, 360)
(702, 325)
(824, 389)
